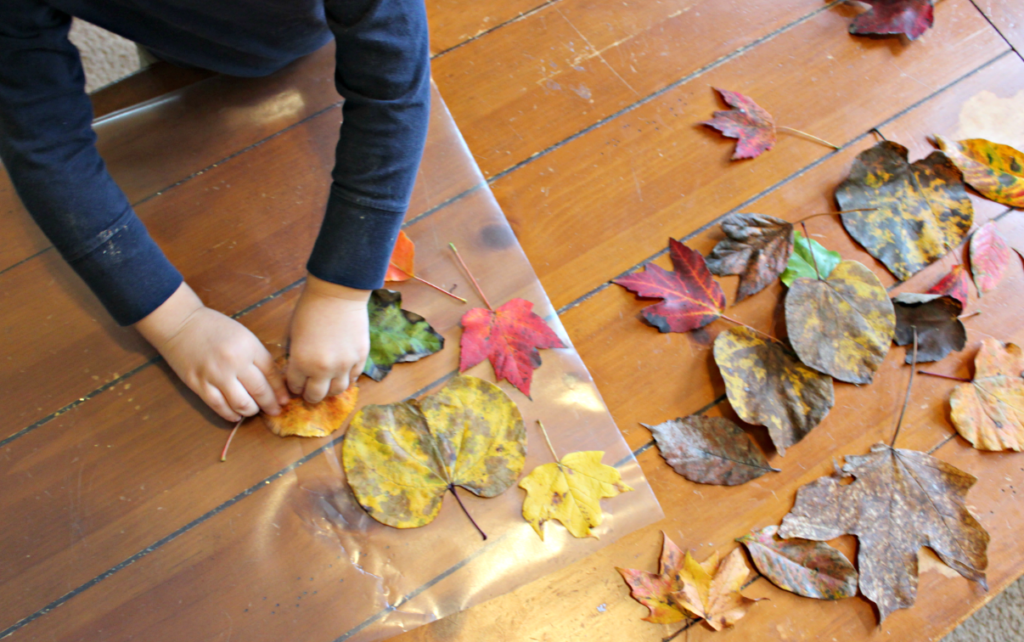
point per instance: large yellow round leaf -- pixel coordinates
(402, 458)
(842, 325)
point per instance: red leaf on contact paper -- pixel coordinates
(909, 17)
(953, 284)
(990, 257)
(510, 338)
(692, 299)
(748, 122)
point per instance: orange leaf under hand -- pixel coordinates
(401, 267)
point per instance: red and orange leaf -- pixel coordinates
(654, 590)
(692, 299)
(954, 284)
(401, 267)
(303, 419)
(908, 17)
(510, 337)
(990, 257)
(748, 122)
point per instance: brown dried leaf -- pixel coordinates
(757, 248)
(939, 330)
(710, 450)
(989, 411)
(899, 501)
(801, 566)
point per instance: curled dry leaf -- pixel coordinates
(841, 326)
(989, 411)
(396, 335)
(711, 590)
(995, 170)
(801, 566)
(691, 298)
(654, 590)
(402, 458)
(756, 247)
(808, 253)
(768, 386)
(303, 419)
(910, 18)
(921, 210)
(710, 450)
(954, 284)
(747, 121)
(899, 501)
(990, 256)
(936, 317)
(402, 267)
(510, 338)
(570, 491)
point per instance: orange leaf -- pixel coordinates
(711, 590)
(989, 411)
(303, 419)
(401, 268)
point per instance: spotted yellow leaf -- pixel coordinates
(401, 459)
(570, 491)
(996, 171)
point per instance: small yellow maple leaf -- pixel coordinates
(711, 590)
(570, 491)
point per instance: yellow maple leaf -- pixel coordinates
(711, 590)
(570, 491)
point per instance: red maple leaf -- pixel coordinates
(909, 17)
(953, 284)
(749, 122)
(510, 337)
(692, 299)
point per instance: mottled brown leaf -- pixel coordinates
(936, 317)
(841, 326)
(989, 411)
(899, 501)
(768, 386)
(710, 450)
(756, 247)
(921, 210)
(801, 566)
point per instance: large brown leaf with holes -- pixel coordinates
(768, 386)
(710, 450)
(756, 247)
(989, 411)
(842, 325)
(898, 501)
(921, 210)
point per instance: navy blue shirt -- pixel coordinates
(48, 146)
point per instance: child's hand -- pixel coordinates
(330, 339)
(217, 357)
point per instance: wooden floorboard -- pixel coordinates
(584, 114)
(1006, 16)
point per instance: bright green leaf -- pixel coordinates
(801, 261)
(396, 335)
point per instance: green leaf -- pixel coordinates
(396, 335)
(801, 263)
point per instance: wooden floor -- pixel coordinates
(582, 116)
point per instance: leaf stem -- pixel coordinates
(471, 278)
(879, 132)
(472, 521)
(548, 440)
(425, 282)
(806, 135)
(969, 315)
(686, 627)
(943, 376)
(837, 213)
(810, 248)
(906, 398)
(231, 435)
(751, 328)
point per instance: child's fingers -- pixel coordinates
(353, 376)
(316, 390)
(338, 385)
(239, 399)
(215, 400)
(295, 379)
(256, 384)
(266, 365)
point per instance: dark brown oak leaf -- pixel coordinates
(756, 247)
(898, 501)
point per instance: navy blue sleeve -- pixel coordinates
(48, 147)
(383, 72)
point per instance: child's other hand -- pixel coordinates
(330, 339)
(217, 357)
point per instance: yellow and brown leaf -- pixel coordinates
(989, 411)
(995, 170)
